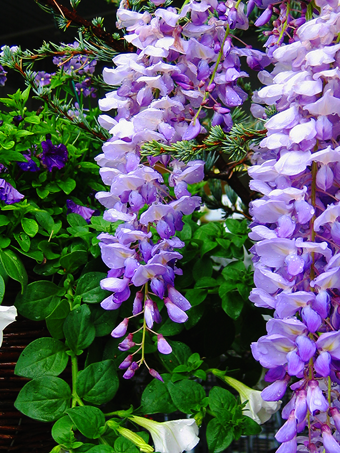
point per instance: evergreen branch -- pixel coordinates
(69, 17)
(234, 144)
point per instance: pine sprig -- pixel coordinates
(235, 144)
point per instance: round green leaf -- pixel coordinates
(45, 399)
(13, 267)
(98, 383)
(42, 357)
(89, 420)
(30, 226)
(38, 300)
(186, 395)
(62, 432)
(219, 437)
(78, 329)
(89, 289)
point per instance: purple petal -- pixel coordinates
(121, 329)
(175, 313)
(162, 345)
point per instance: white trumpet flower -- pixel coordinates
(256, 408)
(174, 436)
(7, 315)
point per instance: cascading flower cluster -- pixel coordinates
(182, 68)
(296, 224)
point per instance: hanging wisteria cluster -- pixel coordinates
(182, 69)
(296, 224)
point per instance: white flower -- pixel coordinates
(256, 408)
(174, 436)
(7, 315)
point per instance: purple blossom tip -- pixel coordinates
(8, 194)
(121, 329)
(85, 212)
(155, 374)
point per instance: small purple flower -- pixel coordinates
(30, 165)
(8, 194)
(3, 77)
(17, 119)
(43, 78)
(53, 156)
(85, 212)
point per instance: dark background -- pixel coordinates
(25, 24)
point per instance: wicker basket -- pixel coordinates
(17, 432)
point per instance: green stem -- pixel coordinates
(75, 398)
(219, 56)
(285, 25)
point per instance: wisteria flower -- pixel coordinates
(174, 436)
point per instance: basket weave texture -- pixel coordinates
(19, 433)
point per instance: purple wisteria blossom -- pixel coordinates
(161, 93)
(53, 156)
(297, 226)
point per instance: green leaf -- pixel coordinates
(125, 446)
(219, 437)
(62, 432)
(202, 268)
(30, 226)
(179, 356)
(156, 397)
(206, 282)
(89, 420)
(42, 357)
(250, 427)
(99, 224)
(101, 449)
(4, 242)
(67, 186)
(98, 383)
(33, 119)
(186, 395)
(23, 240)
(78, 329)
(4, 220)
(232, 304)
(45, 220)
(169, 328)
(71, 261)
(13, 267)
(104, 321)
(42, 193)
(89, 289)
(55, 321)
(75, 220)
(2, 288)
(221, 402)
(38, 300)
(213, 229)
(44, 399)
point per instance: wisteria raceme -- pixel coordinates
(163, 91)
(297, 229)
